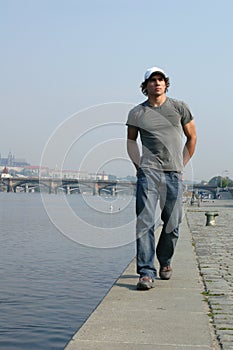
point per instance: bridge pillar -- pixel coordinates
(67, 189)
(26, 188)
(52, 187)
(10, 185)
(96, 189)
(114, 191)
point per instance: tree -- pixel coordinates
(220, 181)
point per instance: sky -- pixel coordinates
(71, 70)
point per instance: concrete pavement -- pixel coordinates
(172, 316)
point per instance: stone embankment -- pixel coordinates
(214, 250)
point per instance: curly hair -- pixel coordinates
(144, 84)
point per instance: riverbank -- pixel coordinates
(191, 311)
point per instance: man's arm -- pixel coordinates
(132, 146)
(189, 147)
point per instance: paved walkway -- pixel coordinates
(173, 316)
(214, 249)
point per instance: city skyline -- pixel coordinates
(36, 168)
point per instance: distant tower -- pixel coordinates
(10, 159)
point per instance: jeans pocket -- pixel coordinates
(177, 175)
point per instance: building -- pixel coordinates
(11, 161)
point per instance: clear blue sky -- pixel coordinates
(58, 57)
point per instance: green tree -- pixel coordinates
(220, 181)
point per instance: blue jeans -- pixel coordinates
(164, 188)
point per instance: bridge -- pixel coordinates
(97, 187)
(213, 190)
(54, 185)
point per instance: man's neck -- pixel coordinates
(156, 101)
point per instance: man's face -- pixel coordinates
(156, 85)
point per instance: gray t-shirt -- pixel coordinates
(161, 130)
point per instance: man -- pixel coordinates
(161, 122)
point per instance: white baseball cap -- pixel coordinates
(153, 70)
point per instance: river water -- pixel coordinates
(53, 269)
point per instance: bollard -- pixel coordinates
(210, 218)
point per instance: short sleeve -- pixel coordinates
(186, 115)
(133, 117)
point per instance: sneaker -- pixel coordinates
(165, 272)
(145, 283)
